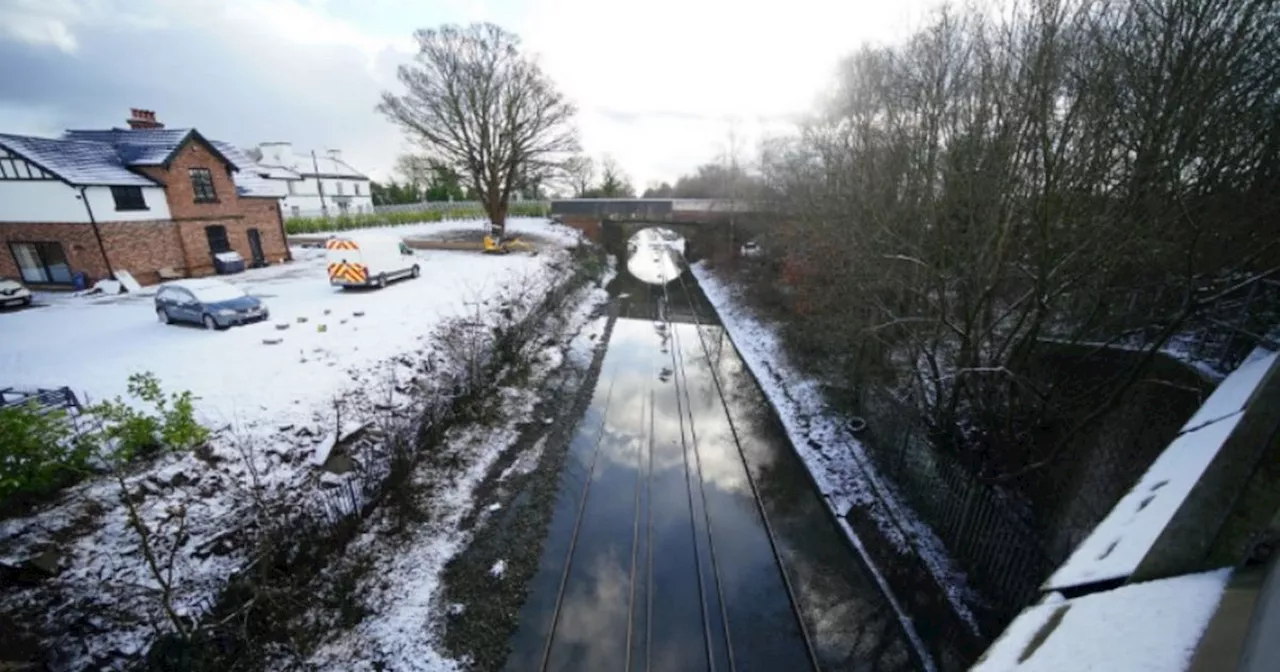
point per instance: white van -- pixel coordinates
(365, 261)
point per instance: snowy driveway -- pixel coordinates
(93, 344)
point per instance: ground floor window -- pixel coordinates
(295, 210)
(42, 262)
(217, 236)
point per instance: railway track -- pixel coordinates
(716, 632)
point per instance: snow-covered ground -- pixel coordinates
(93, 344)
(272, 408)
(835, 458)
(402, 592)
(1119, 543)
(1153, 626)
(542, 229)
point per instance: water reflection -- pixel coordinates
(655, 256)
(666, 563)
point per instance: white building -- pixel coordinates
(315, 183)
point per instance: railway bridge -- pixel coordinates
(707, 225)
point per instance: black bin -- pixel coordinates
(226, 263)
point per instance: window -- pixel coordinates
(128, 198)
(339, 184)
(13, 168)
(42, 262)
(357, 189)
(295, 209)
(202, 185)
(293, 187)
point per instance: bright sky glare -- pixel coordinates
(660, 84)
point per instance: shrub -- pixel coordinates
(350, 222)
(173, 425)
(38, 451)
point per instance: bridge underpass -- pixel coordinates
(708, 226)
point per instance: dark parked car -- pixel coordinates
(207, 301)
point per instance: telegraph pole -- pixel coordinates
(324, 209)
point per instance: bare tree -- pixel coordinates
(477, 104)
(613, 182)
(580, 172)
(416, 169)
(1076, 170)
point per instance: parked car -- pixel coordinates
(13, 293)
(207, 301)
(373, 260)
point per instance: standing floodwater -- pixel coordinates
(664, 552)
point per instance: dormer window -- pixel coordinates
(128, 198)
(202, 185)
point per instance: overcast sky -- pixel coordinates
(659, 83)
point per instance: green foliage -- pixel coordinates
(38, 452)
(172, 426)
(394, 193)
(306, 225)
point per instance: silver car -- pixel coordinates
(209, 302)
(13, 293)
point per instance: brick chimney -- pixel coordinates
(143, 119)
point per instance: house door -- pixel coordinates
(217, 236)
(42, 262)
(255, 248)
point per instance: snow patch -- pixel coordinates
(526, 462)
(1153, 626)
(498, 569)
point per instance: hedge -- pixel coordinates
(304, 225)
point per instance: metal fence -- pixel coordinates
(987, 530)
(446, 206)
(1008, 537)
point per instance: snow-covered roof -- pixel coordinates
(103, 157)
(251, 179)
(280, 173)
(304, 165)
(78, 162)
(138, 146)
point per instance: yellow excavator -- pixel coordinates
(495, 242)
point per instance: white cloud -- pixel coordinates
(658, 88)
(42, 23)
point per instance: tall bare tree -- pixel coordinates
(1070, 170)
(474, 102)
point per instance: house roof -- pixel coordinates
(280, 173)
(323, 164)
(251, 179)
(77, 162)
(144, 146)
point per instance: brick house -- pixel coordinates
(139, 199)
